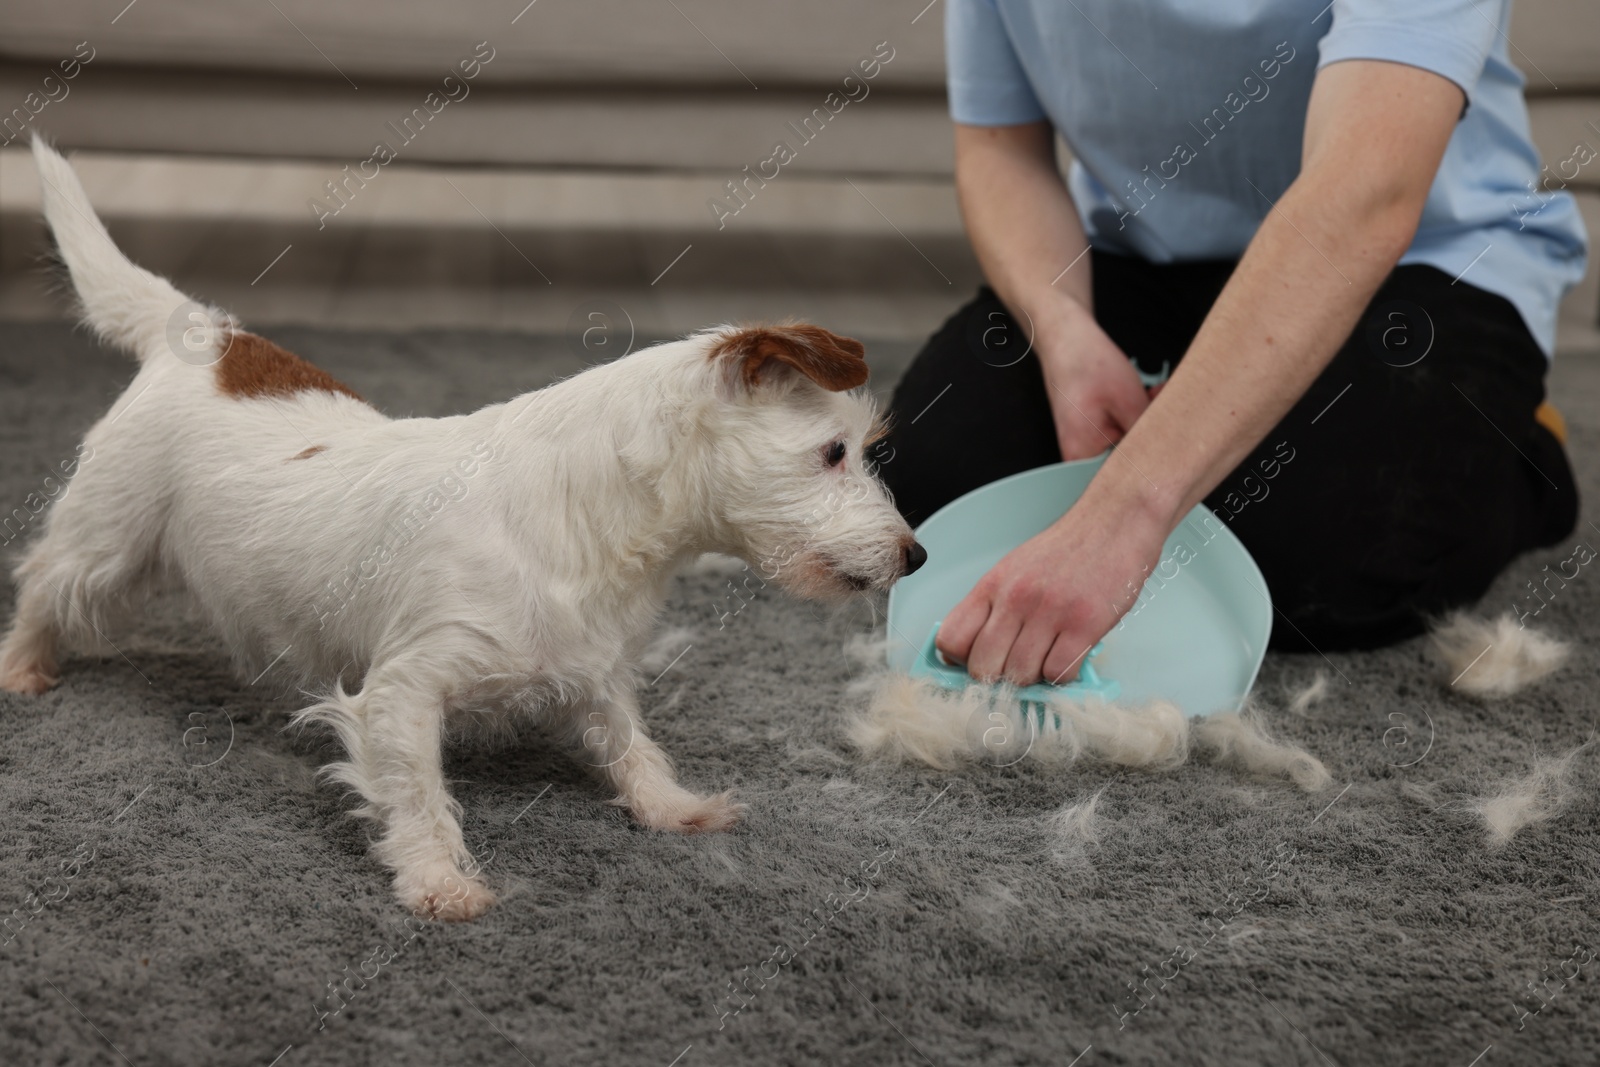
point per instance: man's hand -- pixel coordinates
(1037, 612)
(1095, 393)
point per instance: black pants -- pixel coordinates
(1407, 477)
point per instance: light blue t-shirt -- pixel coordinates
(1186, 118)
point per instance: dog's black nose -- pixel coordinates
(916, 556)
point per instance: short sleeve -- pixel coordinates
(1451, 38)
(988, 86)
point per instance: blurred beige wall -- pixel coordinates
(639, 84)
(630, 84)
(610, 125)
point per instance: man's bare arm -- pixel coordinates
(1025, 230)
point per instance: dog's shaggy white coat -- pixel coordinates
(419, 572)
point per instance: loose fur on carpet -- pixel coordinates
(1302, 700)
(1495, 658)
(917, 721)
(1074, 828)
(1537, 797)
(1242, 741)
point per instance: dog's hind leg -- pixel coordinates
(28, 655)
(94, 560)
(615, 743)
(393, 731)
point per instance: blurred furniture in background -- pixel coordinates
(579, 165)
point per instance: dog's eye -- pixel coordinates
(835, 454)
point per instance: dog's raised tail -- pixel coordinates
(124, 303)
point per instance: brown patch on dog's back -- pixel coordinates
(308, 453)
(255, 367)
(833, 362)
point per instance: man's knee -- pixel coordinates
(1365, 593)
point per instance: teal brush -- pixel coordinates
(1035, 699)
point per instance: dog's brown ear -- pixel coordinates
(833, 362)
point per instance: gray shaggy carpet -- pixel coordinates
(182, 890)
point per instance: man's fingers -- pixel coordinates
(1024, 663)
(991, 647)
(1128, 404)
(1065, 659)
(1095, 424)
(961, 626)
(1086, 439)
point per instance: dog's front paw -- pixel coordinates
(450, 897)
(30, 678)
(690, 814)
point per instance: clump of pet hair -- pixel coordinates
(1300, 700)
(1495, 658)
(1534, 798)
(913, 720)
(1242, 741)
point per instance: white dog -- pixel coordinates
(510, 561)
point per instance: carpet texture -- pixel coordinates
(199, 897)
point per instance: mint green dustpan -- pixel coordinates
(1196, 635)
